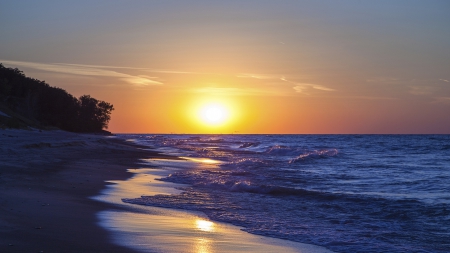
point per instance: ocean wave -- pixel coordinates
(154, 137)
(246, 186)
(212, 140)
(337, 224)
(282, 150)
(249, 144)
(325, 153)
(348, 193)
(245, 163)
(238, 181)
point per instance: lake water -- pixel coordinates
(348, 193)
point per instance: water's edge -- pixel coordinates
(155, 229)
(349, 193)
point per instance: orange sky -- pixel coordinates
(284, 67)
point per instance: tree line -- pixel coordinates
(51, 106)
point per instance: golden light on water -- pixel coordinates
(201, 160)
(204, 225)
(203, 245)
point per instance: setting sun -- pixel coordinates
(214, 114)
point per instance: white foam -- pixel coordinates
(153, 229)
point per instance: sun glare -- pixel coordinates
(204, 225)
(214, 114)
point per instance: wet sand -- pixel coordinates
(62, 192)
(154, 229)
(46, 179)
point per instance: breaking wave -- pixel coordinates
(349, 193)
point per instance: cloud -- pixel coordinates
(370, 98)
(165, 71)
(444, 80)
(301, 87)
(148, 80)
(320, 87)
(257, 76)
(442, 100)
(86, 70)
(284, 79)
(421, 90)
(232, 91)
(99, 66)
(385, 80)
(177, 72)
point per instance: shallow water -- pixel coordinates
(154, 229)
(349, 193)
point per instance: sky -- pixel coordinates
(299, 67)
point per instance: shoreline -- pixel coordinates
(59, 194)
(46, 179)
(149, 228)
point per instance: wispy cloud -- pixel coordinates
(257, 76)
(165, 71)
(421, 90)
(233, 91)
(394, 80)
(385, 80)
(442, 100)
(370, 98)
(100, 66)
(302, 87)
(320, 87)
(122, 73)
(87, 70)
(415, 86)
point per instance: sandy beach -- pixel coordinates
(46, 179)
(62, 192)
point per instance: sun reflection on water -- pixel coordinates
(204, 225)
(203, 245)
(202, 160)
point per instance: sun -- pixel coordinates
(214, 114)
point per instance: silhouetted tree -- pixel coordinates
(94, 114)
(52, 106)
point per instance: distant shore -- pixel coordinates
(46, 179)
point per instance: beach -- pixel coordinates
(67, 192)
(46, 179)
(62, 192)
